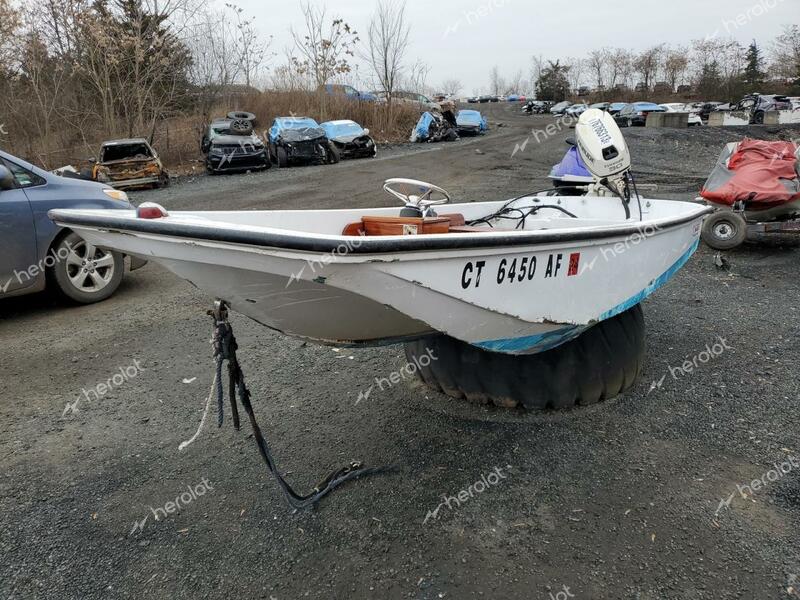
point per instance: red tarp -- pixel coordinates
(759, 172)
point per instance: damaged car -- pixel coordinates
(300, 140)
(756, 106)
(131, 163)
(230, 146)
(471, 122)
(350, 139)
(434, 127)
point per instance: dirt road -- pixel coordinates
(649, 497)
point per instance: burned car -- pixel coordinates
(350, 139)
(129, 163)
(471, 122)
(230, 145)
(300, 140)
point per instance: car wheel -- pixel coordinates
(333, 154)
(759, 118)
(86, 274)
(242, 116)
(724, 230)
(282, 157)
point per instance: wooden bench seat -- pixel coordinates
(380, 226)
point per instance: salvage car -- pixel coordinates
(230, 145)
(615, 107)
(130, 163)
(300, 140)
(677, 107)
(560, 108)
(37, 254)
(704, 109)
(757, 105)
(635, 115)
(348, 92)
(418, 101)
(576, 110)
(471, 122)
(434, 127)
(350, 139)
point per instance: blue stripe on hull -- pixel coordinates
(552, 339)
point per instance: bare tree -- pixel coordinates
(676, 63)
(538, 65)
(496, 82)
(252, 50)
(387, 43)
(514, 85)
(597, 63)
(647, 64)
(785, 53)
(417, 80)
(325, 48)
(9, 23)
(620, 68)
(575, 71)
(452, 86)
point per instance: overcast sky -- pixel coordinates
(508, 33)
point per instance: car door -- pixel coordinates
(18, 252)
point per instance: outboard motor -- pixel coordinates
(603, 150)
(602, 146)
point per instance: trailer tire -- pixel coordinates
(724, 230)
(603, 362)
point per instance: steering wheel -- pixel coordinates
(416, 194)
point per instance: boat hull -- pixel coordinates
(515, 298)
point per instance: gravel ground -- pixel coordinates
(626, 499)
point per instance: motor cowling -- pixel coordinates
(601, 145)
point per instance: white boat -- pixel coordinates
(379, 276)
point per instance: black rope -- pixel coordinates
(225, 347)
